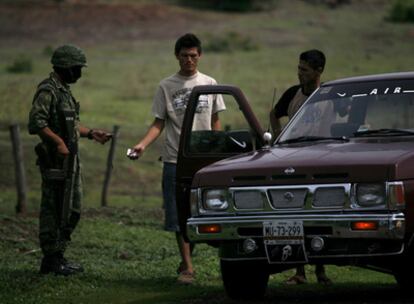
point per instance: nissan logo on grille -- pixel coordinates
(289, 196)
(289, 170)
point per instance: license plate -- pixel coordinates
(283, 232)
(284, 241)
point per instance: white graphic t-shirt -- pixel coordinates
(170, 103)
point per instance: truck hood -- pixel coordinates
(359, 160)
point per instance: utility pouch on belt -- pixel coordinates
(54, 174)
(46, 162)
(44, 157)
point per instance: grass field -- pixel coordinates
(129, 46)
(129, 259)
(123, 73)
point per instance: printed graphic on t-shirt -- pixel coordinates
(202, 105)
(180, 100)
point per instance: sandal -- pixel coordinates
(296, 280)
(185, 277)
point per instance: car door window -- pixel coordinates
(234, 135)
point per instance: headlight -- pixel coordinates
(370, 195)
(216, 199)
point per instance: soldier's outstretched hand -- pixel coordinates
(101, 136)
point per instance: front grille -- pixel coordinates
(287, 198)
(291, 198)
(329, 197)
(248, 200)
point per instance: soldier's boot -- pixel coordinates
(69, 264)
(52, 264)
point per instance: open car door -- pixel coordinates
(240, 132)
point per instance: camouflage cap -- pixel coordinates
(67, 56)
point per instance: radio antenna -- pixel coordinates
(273, 103)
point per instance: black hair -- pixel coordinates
(187, 41)
(315, 58)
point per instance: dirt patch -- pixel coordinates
(90, 22)
(127, 216)
(20, 233)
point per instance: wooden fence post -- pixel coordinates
(104, 200)
(21, 206)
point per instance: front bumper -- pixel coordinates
(335, 229)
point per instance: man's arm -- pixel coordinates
(275, 123)
(48, 135)
(152, 134)
(281, 109)
(215, 122)
(100, 136)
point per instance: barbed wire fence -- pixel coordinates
(22, 163)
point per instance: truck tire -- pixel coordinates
(244, 280)
(404, 275)
(404, 269)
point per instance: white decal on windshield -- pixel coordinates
(325, 90)
(359, 95)
(240, 144)
(376, 91)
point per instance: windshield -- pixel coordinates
(355, 110)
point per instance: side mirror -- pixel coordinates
(267, 137)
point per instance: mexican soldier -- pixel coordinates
(54, 116)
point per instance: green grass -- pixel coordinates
(130, 259)
(117, 89)
(118, 86)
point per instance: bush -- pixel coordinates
(329, 3)
(21, 64)
(230, 5)
(402, 11)
(229, 42)
(48, 51)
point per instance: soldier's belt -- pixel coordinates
(54, 174)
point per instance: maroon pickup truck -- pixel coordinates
(336, 187)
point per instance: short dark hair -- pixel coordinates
(188, 40)
(315, 58)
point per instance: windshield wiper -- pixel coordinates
(387, 132)
(312, 138)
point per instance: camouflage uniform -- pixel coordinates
(50, 100)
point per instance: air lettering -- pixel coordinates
(397, 90)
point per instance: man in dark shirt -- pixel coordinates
(310, 68)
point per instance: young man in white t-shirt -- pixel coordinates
(168, 108)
